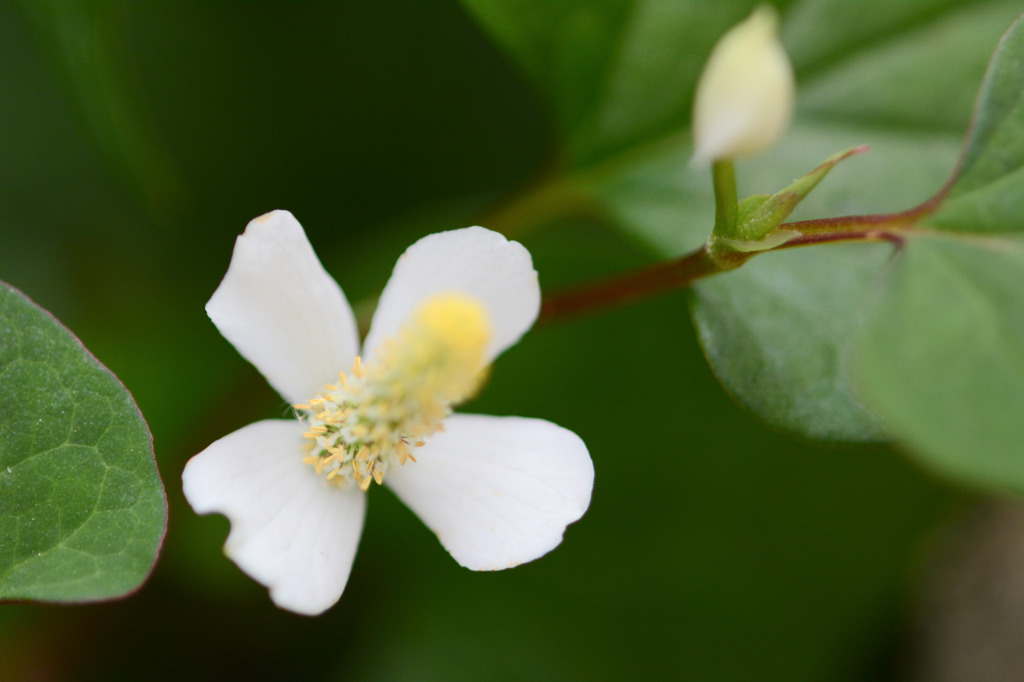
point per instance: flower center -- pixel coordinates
(378, 412)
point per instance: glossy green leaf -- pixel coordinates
(942, 356)
(82, 509)
(899, 78)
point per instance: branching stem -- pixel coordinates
(699, 263)
(704, 262)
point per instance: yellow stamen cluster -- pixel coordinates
(378, 412)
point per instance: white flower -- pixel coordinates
(497, 491)
(744, 98)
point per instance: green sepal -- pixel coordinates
(758, 223)
(748, 206)
(719, 246)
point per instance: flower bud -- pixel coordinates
(744, 98)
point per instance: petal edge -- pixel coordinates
(497, 491)
(290, 530)
(474, 261)
(282, 311)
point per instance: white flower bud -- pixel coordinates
(744, 98)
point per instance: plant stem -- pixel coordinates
(723, 178)
(631, 286)
(894, 237)
(703, 262)
(871, 223)
(698, 264)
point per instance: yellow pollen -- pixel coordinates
(373, 417)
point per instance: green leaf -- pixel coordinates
(987, 194)
(617, 73)
(942, 355)
(82, 509)
(763, 331)
(865, 62)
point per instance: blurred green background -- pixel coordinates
(138, 139)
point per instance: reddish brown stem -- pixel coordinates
(684, 271)
(697, 264)
(811, 238)
(633, 285)
(908, 217)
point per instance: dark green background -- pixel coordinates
(136, 141)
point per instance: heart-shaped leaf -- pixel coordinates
(82, 509)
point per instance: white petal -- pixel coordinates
(282, 311)
(473, 261)
(498, 491)
(290, 529)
